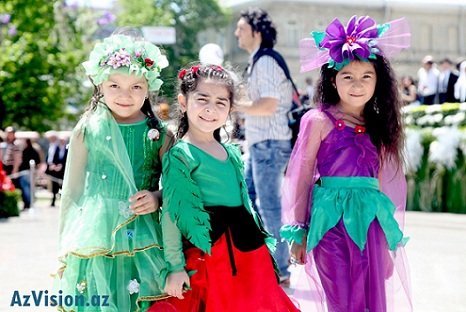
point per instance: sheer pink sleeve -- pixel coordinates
(392, 182)
(302, 173)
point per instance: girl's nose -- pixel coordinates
(210, 107)
(357, 84)
(125, 92)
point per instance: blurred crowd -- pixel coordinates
(31, 161)
(435, 83)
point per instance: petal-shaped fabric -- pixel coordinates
(361, 39)
(183, 200)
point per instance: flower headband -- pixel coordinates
(195, 68)
(122, 54)
(361, 39)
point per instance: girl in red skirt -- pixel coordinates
(217, 252)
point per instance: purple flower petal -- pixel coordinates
(352, 25)
(345, 43)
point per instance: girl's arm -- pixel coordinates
(73, 183)
(177, 277)
(300, 178)
(75, 175)
(145, 202)
(392, 181)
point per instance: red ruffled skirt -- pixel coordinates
(246, 283)
(239, 276)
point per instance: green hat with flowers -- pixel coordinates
(121, 54)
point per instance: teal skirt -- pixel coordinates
(357, 201)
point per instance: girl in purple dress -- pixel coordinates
(344, 193)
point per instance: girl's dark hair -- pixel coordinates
(382, 113)
(189, 79)
(260, 21)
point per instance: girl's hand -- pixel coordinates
(144, 202)
(176, 283)
(298, 252)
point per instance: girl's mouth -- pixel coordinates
(206, 119)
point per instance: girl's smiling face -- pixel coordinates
(355, 84)
(124, 96)
(207, 107)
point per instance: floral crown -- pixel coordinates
(122, 54)
(361, 39)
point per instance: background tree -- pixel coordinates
(189, 17)
(39, 53)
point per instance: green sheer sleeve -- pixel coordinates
(172, 245)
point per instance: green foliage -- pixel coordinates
(9, 204)
(37, 64)
(40, 65)
(435, 186)
(189, 17)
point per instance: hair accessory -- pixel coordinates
(361, 39)
(376, 106)
(195, 68)
(217, 68)
(125, 55)
(182, 73)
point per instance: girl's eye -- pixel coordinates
(113, 86)
(222, 104)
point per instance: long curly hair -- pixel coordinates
(189, 79)
(382, 113)
(261, 21)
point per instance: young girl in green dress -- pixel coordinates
(109, 231)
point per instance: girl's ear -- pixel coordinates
(182, 101)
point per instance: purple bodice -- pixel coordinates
(345, 153)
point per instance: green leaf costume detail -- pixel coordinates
(182, 196)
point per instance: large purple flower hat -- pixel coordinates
(361, 39)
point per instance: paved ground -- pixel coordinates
(436, 251)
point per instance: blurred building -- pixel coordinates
(438, 28)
